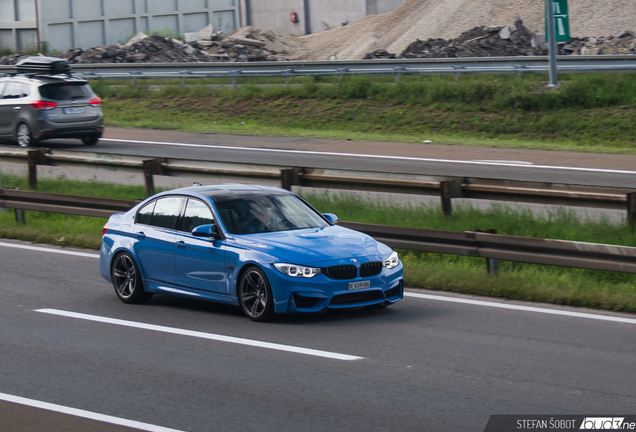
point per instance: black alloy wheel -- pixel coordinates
(23, 135)
(255, 295)
(127, 280)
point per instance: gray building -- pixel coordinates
(64, 24)
(300, 17)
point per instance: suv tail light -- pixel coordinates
(105, 229)
(43, 105)
(95, 102)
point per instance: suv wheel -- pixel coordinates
(90, 140)
(23, 135)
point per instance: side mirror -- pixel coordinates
(208, 230)
(332, 218)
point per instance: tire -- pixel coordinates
(127, 280)
(255, 295)
(90, 140)
(23, 135)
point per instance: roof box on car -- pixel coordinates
(42, 65)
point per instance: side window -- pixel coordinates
(166, 212)
(15, 90)
(144, 215)
(197, 213)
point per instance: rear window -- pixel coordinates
(66, 91)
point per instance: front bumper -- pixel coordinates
(299, 295)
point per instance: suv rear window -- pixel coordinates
(66, 91)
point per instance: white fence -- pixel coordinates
(65, 24)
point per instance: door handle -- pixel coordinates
(140, 235)
(17, 108)
(181, 244)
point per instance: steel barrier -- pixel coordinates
(446, 187)
(341, 68)
(583, 255)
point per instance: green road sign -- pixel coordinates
(561, 21)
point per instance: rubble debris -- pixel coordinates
(136, 38)
(243, 45)
(514, 40)
(379, 54)
(206, 34)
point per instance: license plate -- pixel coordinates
(359, 285)
(74, 110)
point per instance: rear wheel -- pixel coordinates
(127, 280)
(255, 295)
(90, 140)
(23, 135)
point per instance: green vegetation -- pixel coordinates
(591, 112)
(576, 287)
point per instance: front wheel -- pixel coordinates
(90, 140)
(255, 295)
(23, 135)
(127, 280)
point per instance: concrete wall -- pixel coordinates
(314, 16)
(18, 24)
(65, 24)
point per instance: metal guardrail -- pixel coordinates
(593, 256)
(473, 244)
(66, 204)
(446, 187)
(340, 68)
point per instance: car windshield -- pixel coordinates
(66, 91)
(267, 214)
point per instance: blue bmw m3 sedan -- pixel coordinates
(258, 247)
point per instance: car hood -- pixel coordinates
(316, 246)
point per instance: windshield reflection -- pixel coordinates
(267, 214)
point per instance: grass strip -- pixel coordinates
(590, 112)
(558, 285)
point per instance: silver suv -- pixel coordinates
(43, 101)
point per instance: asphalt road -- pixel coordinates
(440, 362)
(429, 159)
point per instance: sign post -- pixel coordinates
(551, 37)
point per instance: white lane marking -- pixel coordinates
(85, 414)
(417, 159)
(505, 162)
(52, 250)
(202, 335)
(522, 308)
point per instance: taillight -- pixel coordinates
(43, 105)
(95, 102)
(105, 229)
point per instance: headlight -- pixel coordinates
(391, 261)
(296, 270)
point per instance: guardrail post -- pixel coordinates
(35, 158)
(19, 213)
(631, 210)
(448, 190)
(151, 167)
(290, 177)
(493, 266)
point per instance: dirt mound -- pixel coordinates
(447, 19)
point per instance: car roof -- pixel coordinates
(229, 191)
(43, 79)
